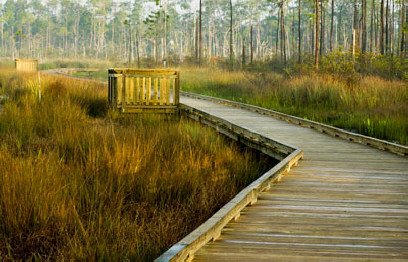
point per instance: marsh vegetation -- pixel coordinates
(80, 182)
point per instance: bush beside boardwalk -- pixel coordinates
(80, 182)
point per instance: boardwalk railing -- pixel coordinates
(323, 128)
(211, 229)
(140, 91)
(26, 65)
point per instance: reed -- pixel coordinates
(81, 182)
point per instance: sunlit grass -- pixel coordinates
(81, 182)
(372, 106)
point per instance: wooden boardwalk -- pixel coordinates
(344, 201)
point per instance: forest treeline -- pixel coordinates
(201, 30)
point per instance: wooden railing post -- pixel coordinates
(177, 89)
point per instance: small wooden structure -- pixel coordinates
(27, 65)
(144, 91)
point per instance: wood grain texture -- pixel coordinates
(344, 201)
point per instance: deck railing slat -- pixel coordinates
(156, 92)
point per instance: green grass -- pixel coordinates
(81, 182)
(368, 105)
(102, 75)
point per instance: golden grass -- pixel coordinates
(80, 182)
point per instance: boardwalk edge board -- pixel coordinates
(326, 129)
(211, 229)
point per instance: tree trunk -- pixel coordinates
(165, 35)
(299, 33)
(382, 49)
(317, 35)
(293, 47)
(331, 26)
(283, 33)
(243, 52)
(258, 40)
(196, 39)
(339, 30)
(372, 26)
(355, 25)
(387, 32)
(251, 46)
(392, 33)
(364, 27)
(200, 39)
(402, 47)
(322, 28)
(231, 42)
(2, 33)
(277, 34)
(313, 31)
(130, 46)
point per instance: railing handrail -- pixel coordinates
(148, 72)
(26, 60)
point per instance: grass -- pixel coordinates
(75, 63)
(339, 96)
(102, 74)
(80, 182)
(367, 105)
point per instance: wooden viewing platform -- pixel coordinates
(345, 200)
(141, 91)
(26, 65)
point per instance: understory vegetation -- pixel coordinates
(80, 182)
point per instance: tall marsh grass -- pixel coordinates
(80, 182)
(372, 106)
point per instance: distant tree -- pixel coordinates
(317, 35)
(403, 29)
(299, 32)
(200, 42)
(231, 39)
(364, 27)
(382, 37)
(331, 25)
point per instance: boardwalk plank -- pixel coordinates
(344, 201)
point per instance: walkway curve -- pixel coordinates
(344, 201)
